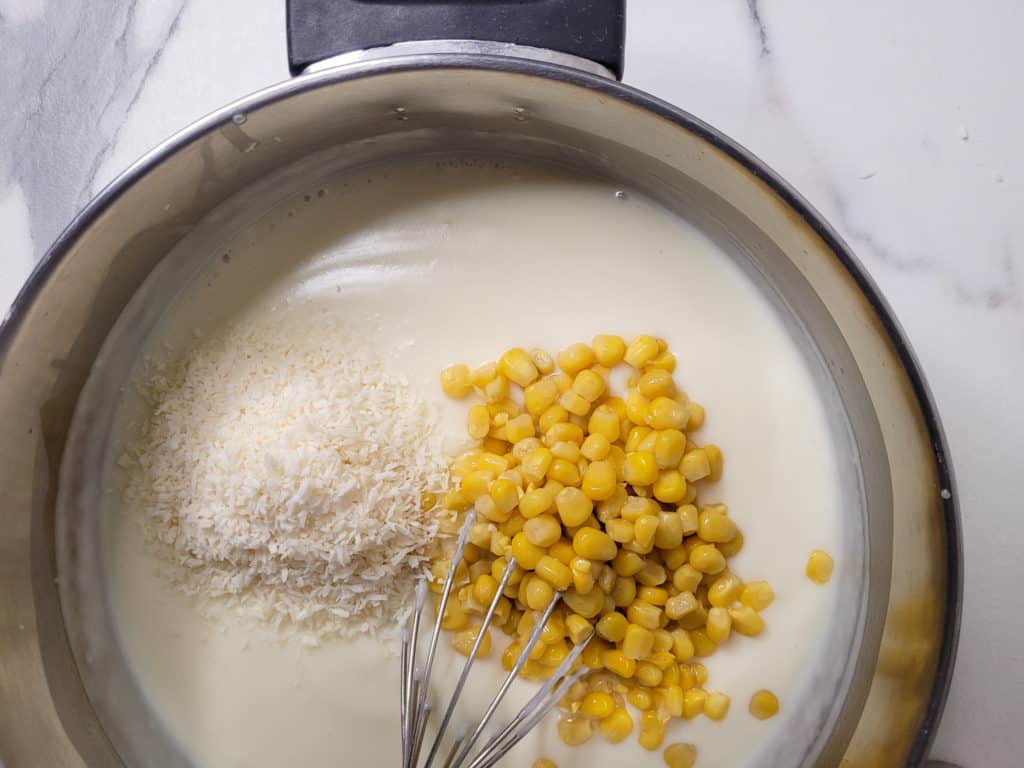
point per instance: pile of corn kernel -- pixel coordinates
(596, 497)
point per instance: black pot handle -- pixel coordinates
(591, 29)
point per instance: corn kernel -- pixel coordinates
(543, 530)
(702, 644)
(485, 588)
(544, 762)
(745, 620)
(649, 442)
(566, 450)
(556, 414)
(652, 574)
(693, 702)
(666, 413)
(819, 567)
(577, 628)
(517, 366)
(656, 383)
(716, 707)
(519, 428)
(690, 519)
(597, 705)
(645, 615)
(640, 468)
(651, 737)
(575, 358)
(596, 447)
(682, 645)
(582, 575)
(637, 408)
(641, 351)
(670, 487)
(554, 572)
(757, 595)
(695, 411)
(536, 502)
(715, 526)
(707, 559)
(653, 595)
(536, 464)
(478, 422)
(527, 554)
(567, 473)
(668, 448)
(587, 605)
(719, 625)
(505, 494)
(455, 381)
(617, 726)
(695, 465)
(463, 642)
(680, 755)
(496, 389)
(648, 674)
(538, 594)
(564, 432)
(612, 627)
(562, 551)
(594, 544)
(619, 530)
(732, 547)
(618, 662)
(588, 385)
(574, 730)
(608, 350)
(623, 592)
(715, 460)
(764, 704)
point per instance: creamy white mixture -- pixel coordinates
(446, 262)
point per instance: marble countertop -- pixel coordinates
(899, 121)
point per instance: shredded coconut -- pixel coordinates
(281, 469)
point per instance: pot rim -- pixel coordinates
(64, 242)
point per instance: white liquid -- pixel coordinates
(455, 262)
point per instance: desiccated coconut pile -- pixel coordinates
(283, 470)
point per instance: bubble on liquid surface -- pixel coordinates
(239, 119)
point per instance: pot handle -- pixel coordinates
(590, 29)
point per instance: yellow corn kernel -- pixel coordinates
(536, 464)
(608, 350)
(599, 481)
(563, 381)
(455, 381)
(553, 571)
(707, 559)
(612, 627)
(644, 531)
(485, 588)
(638, 641)
(640, 698)
(645, 615)
(695, 411)
(619, 663)
(652, 735)
(540, 396)
(513, 525)
(757, 595)
(670, 487)
(524, 448)
(555, 414)
(690, 519)
(604, 423)
(587, 605)
(463, 640)
(480, 377)
(715, 526)
(574, 730)
(693, 702)
(628, 563)
(574, 403)
(619, 530)
(819, 567)
(487, 508)
(478, 422)
(635, 436)
(517, 366)
(715, 460)
(566, 450)
(686, 578)
(582, 575)
(505, 494)
(565, 472)
(496, 389)
(640, 468)
(611, 508)
(656, 383)
(455, 617)
(564, 432)
(519, 428)
(554, 653)
(623, 591)
(654, 595)
(718, 626)
(648, 674)
(544, 762)
(675, 557)
(526, 553)
(637, 408)
(662, 645)
(597, 705)
(732, 547)
(595, 447)
(455, 501)
(593, 653)
(594, 544)
(562, 551)
(672, 697)
(498, 567)
(682, 645)
(652, 574)
(589, 385)
(695, 465)
(536, 502)
(725, 590)
(666, 413)
(635, 508)
(641, 351)
(575, 358)
(716, 707)
(745, 620)
(480, 534)
(764, 704)
(543, 530)
(665, 361)
(669, 534)
(538, 594)
(680, 755)
(702, 644)
(669, 446)
(574, 506)
(577, 628)
(649, 442)
(617, 726)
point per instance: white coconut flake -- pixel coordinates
(280, 471)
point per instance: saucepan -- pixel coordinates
(380, 79)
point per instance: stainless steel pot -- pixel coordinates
(65, 698)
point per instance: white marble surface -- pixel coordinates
(899, 120)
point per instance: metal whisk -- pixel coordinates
(415, 710)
